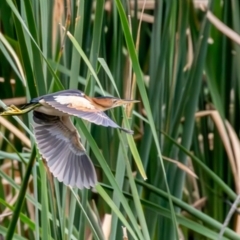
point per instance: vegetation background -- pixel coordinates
(181, 60)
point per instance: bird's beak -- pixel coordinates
(129, 101)
(121, 102)
(107, 103)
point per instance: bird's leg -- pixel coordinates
(11, 110)
(14, 108)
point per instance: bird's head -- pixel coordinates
(111, 102)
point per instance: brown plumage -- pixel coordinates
(58, 140)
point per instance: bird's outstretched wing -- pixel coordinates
(59, 143)
(74, 102)
(97, 117)
(73, 105)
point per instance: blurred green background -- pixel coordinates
(180, 59)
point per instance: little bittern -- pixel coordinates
(58, 140)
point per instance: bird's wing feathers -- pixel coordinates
(59, 93)
(74, 102)
(63, 151)
(97, 117)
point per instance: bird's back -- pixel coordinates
(50, 97)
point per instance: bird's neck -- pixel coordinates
(102, 104)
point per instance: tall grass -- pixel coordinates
(179, 63)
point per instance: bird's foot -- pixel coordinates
(11, 110)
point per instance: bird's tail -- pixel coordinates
(13, 110)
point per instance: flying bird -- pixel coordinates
(58, 140)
